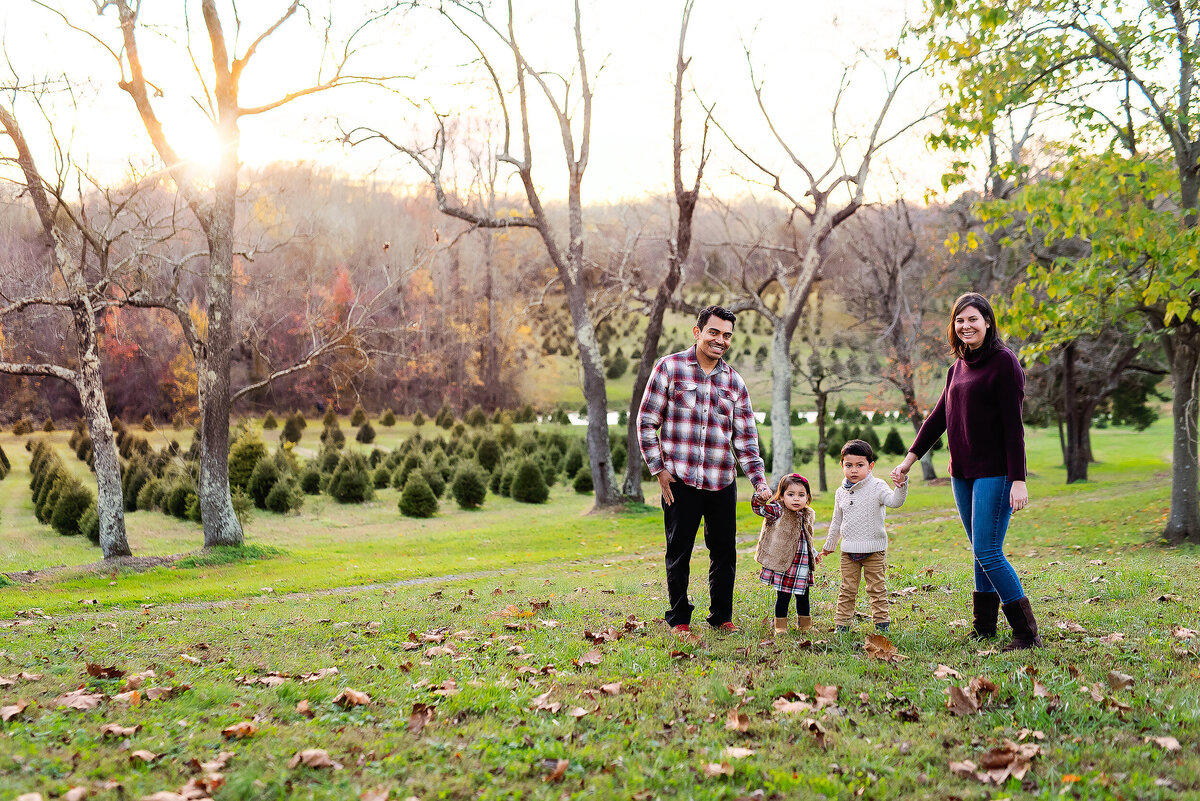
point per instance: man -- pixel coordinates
(695, 416)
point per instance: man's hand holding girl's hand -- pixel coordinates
(763, 492)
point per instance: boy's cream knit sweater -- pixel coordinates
(858, 515)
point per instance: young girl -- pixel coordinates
(785, 548)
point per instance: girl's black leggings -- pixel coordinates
(783, 598)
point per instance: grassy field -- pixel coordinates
(517, 652)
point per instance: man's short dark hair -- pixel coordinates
(720, 312)
(858, 447)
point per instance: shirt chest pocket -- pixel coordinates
(684, 394)
(724, 405)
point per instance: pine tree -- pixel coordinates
(417, 499)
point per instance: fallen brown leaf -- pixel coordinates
(1115, 637)
(879, 647)
(100, 672)
(737, 721)
(557, 769)
(592, 657)
(579, 712)
(117, 730)
(735, 752)
(611, 689)
(76, 794)
(189, 659)
(1118, 680)
(818, 731)
(304, 709)
(826, 695)
(946, 672)
(323, 673)
(348, 698)
(1165, 743)
(313, 758)
(7, 713)
(713, 769)
(421, 716)
(132, 698)
(143, 756)
(240, 730)
(79, 699)
(376, 794)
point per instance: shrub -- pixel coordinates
(418, 419)
(48, 425)
(147, 423)
(5, 465)
(310, 481)
(618, 366)
(417, 499)
(893, 443)
(136, 476)
(358, 416)
(381, 477)
(475, 417)
(574, 459)
(468, 488)
(434, 478)
(48, 494)
(22, 427)
(410, 463)
(329, 420)
(269, 422)
(583, 481)
(375, 458)
(868, 435)
(333, 437)
(528, 485)
(506, 478)
(388, 418)
(89, 524)
(177, 499)
(73, 501)
(366, 434)
(620, 456)
(150, 495)
(192, 512)
(351, 483)
(283, 498)
(494, 482)
(83, 447)
(262, 481)
(508, 435)
(245, 454)
(329, 460)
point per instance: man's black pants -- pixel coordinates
(718, 509)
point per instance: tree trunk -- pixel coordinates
(604, 479)
(781, 403)
(916, 418)
(221, 526)
(107, 462)
(822, 403)
(632, 485)
(1183, 351)
(1078, 418)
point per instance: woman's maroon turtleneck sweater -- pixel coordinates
(980, 412)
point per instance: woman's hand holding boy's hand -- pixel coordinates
(900, 471)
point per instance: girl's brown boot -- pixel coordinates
(803, 622)
(780, 626)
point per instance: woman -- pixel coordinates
(980, 412)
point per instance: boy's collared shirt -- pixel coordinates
(691, 423)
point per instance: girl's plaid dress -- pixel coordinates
(799, 577)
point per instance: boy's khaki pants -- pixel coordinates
(871, 570)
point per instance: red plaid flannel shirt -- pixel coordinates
(692, 424)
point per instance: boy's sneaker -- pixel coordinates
(882, 626)
(727, 627)
(841, 629)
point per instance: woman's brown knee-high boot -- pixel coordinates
(1024, 626)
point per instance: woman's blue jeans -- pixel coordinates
(985, 508)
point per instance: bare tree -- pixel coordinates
(80, 256)
(569, 262)
(678, 248)
(212, 200)
(886, 295)
(823, 202)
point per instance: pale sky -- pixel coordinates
(800, 48)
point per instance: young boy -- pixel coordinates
(858, 514)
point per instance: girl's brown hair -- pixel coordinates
(791, 479)
(990, 340)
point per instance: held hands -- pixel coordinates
(1018, 496)
(900, 471)
(763, 492)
